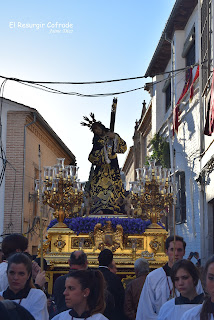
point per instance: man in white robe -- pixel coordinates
(35, 302)
(176, 307)
(194, 314)
(158, 287)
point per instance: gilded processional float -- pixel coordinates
(101, 214)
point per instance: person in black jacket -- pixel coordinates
(114, 286)
(10, 310)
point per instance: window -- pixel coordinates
(168, 97)
(167, 90)
(35, 200)
(206, 41)
(180, 209)
(189, 48)
(190, 57)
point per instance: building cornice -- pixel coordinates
(178, 19)
(128, 160)
(146, 119)
(44, 124)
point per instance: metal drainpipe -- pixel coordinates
(171, 144)
(201, 146)
(23, 181)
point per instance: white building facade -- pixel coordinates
(206, 176)
(177, 56)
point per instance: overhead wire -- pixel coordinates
(94, 82)
(56, 91)
(40, 85)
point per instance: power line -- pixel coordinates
(92, 82)
(51, 90)
(74, 83)
(40, 86)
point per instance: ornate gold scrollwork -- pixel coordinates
(87, 244)
(139, 243)
(52, 264)
(59, 243)
(81, 243)
(106, 237)
(147, 255)
(155, 244)
(75, 243)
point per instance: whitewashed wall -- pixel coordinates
(187, 142)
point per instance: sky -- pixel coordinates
(80, 41)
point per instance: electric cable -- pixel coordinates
(42, 87)
(95, 82)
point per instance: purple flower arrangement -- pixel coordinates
(87, 224)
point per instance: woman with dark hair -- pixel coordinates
(21, 289)
(11, 244)
(84, 294)
(185, 276)
(206, 310)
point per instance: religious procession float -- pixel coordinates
(101, 214)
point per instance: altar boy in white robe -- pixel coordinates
(185, 277)
(158, 286)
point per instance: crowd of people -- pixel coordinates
(173, 291)
(21, 282)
